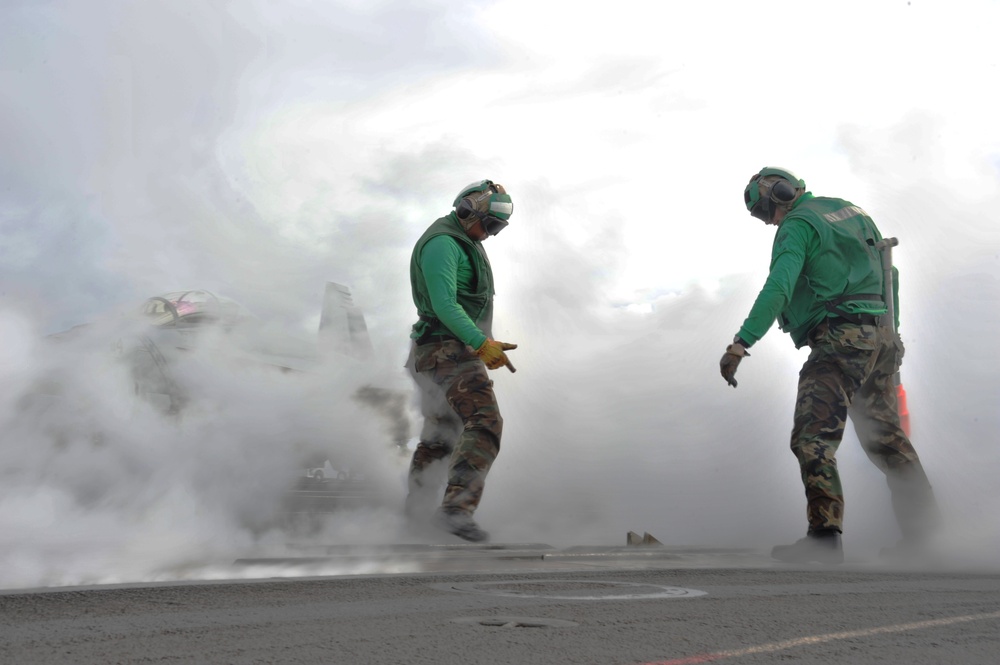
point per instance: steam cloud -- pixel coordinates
(149, 149)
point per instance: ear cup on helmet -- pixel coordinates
(474, 204)
(782, 191)
(465, 208)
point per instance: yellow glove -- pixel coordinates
(492, 353)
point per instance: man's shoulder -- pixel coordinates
(443, 226)
(447, 226)
(823, 203)
(813, 203)
(820, 210)
(793, 232)
(442, 242)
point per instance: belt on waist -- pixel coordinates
(435, 331)
(434, 337)
(859, 319)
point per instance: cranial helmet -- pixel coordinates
(484, 201)
(771, 188)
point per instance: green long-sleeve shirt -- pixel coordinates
(446, 269)
(452, 282)
(823, 249)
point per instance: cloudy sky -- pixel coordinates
(259, 149)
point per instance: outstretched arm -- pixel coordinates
(787, 258)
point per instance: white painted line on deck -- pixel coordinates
(819, 639)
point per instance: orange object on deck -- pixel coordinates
(904, 413)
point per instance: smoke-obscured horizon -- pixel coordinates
(259, 153)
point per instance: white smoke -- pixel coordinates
(244, 150)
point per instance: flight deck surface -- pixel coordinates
(518, 603)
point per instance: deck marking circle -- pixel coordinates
(575, 589)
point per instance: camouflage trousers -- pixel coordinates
(461, 422)
(850, 372)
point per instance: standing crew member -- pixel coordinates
(452, 285)
(825, 289)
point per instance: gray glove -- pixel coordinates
(731, 360)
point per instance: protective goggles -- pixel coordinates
(494, 225)
(491, 224)
(760, 207)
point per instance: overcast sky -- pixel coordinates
(259, 149)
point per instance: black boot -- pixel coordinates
(461, 524)
(821, 546)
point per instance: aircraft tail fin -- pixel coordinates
(342, 326)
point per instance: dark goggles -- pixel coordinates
(759, 205)
(762, 210)
(493, 225)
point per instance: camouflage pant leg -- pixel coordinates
(875, 414)
(841, 359)
(422, 471)
(463, 380)
(441, 423)
(439, 434)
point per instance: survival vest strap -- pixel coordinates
(831, 305)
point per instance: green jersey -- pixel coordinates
(823, 254)
(452, 283)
